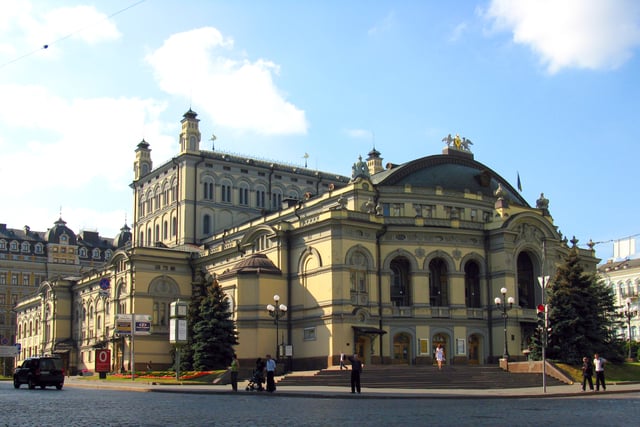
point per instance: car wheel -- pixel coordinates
(59, 386)
(16, 383)
(32, 385)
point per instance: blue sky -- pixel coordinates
(547, 89)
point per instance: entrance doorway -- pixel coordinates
(402, 349)
(474, 349)
(362, 345)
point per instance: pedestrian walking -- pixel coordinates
(342, 365)
(598, 363)
(356, 369)
(235, 366)
(439, 355)
(270, 367)
(587, 373)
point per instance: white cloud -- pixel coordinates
(238, 94)
(80, 22)
(30, 27)
(590, 34)
(72, 141)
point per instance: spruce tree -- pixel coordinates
(215, 334)
(581, 315)
(193, 317)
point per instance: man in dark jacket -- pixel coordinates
(356, 368)
(587, 373)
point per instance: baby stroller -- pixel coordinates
(256, 381)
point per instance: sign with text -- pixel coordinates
(9, 351)
(103, 360)
(178, 331)
(142, 324)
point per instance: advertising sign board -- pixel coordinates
(142, 326)
(103, 360)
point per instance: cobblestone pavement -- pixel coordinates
(77, 405)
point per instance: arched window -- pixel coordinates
(260, 197)
(174, 226)
(438, 283)
(526, 296)
(472, 284)
(400, 275)
(276, 199)
(243, 194)
(165, 230)
(225, 190)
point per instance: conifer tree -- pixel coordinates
(581, 315)
(193, 317)
(215, 334)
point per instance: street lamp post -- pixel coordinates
(505, 316)
(277, 311)
(629, 314)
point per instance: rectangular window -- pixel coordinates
(25, 280)
(14, 279)
(3, 278)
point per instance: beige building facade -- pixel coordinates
(28, 258)
(622, 276)
(388, 263)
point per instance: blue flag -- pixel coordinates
(519, 184)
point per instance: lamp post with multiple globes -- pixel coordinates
(629, 314)
(502, 302)
(277, 312)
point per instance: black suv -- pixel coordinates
(40, 371)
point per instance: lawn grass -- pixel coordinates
(624, 372)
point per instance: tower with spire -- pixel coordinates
(143, 164)
(190, 134)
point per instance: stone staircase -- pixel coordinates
(422, 377)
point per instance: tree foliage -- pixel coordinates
(193, 318)
(581, 315)
(214, 334)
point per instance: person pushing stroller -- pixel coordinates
(257, 378)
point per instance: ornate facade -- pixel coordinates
(388, 262)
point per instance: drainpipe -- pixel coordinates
(269, 208)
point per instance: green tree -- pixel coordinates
(581, 315)
(193, 317)
(215, 334)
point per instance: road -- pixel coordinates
(94, 407)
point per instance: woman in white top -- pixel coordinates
(440, 355)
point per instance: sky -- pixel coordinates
(546, 90)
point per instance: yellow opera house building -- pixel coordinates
(387, 263)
